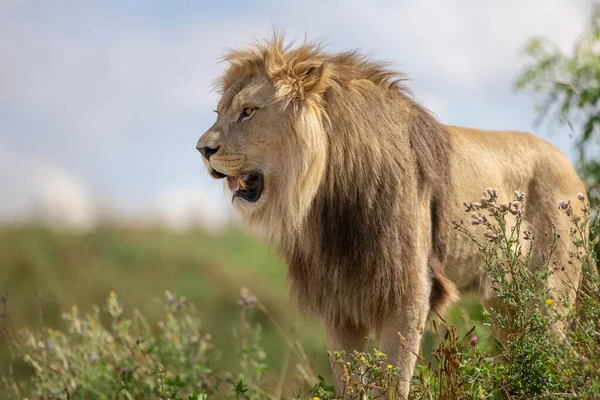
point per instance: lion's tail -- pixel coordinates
(443, 290)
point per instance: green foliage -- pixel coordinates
(105, 354)
(569, 86)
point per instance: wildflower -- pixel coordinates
(362, 359)
(169, 296)
(380, 354)
(74, 308)
(492, 193)
(549, 302)
(49, 345)
(246, 298)
(123, 370)
(492, 237)
(474, 340)
(580, 196)
(112, 294)
(390, 366)
(94, 357)
(478, 218)
(563, 204)
(181, 303)
(316, 398)
(519, 211)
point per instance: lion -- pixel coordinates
(329, 158)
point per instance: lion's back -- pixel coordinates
(508, 161)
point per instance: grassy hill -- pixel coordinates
(46, 272)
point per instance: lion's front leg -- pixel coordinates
(401, 338)
(345, 339)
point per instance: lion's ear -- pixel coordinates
(316, 79)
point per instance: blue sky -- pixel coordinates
(101, 103)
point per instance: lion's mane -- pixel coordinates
(348, 233)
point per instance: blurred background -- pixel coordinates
(102, 102)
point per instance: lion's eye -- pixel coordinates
(246, 113)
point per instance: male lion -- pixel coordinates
(356, 185)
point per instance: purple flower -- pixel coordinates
(246, 298)
(94, 357)
(123, 370)
(580, 196)
(519, 211)
(474, 340)
(181, 303)
(49, 345)
(563, 204)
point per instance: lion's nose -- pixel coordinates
(207, 151)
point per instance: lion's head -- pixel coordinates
(268, 140)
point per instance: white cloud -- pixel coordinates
(186, 208)
(63, 198)
(121, 101)
(35, 188)
(465, 41)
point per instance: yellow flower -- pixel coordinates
(390, 366)
(549, 302)
(362, 359)
(316, 398)
(380, 354)
(112, 294)
(57, 333)
(74, 308)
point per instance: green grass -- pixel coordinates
(67, 269)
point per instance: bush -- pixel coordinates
(105, 354)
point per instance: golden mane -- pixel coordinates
(352, 250)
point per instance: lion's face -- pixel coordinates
(269, 141)
(247, 145)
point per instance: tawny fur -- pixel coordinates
(349, 242)
(361, 184)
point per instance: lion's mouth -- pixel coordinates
(248, 186)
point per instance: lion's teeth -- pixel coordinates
(243, 181)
